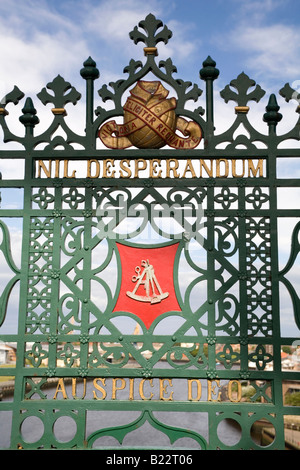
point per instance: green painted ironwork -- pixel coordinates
(227, 274)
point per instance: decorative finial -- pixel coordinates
(29, 118)
(290, 93)
(242, 84)
(209, 70)
(60, 97)
(89, 71)
(150, 25)
(272, 116)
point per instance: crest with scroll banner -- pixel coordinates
(150, 121)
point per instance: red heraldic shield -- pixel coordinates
(147, 283)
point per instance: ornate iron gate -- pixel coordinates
(149, 280)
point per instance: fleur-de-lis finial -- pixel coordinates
(60, 97)
(13, 97)
(242, 84)
(289, 94)
(150, 25)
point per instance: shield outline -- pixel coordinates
(175, 285)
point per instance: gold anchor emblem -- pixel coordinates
(147, 279)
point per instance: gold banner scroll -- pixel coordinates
(150, 121)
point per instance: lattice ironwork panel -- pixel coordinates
(150, 293)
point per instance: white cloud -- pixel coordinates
(36, 44)
(32, 61)
(257, 9)
(179, 47)
(115, 20)
(272, 49)
(264, 36)
(39, 40)
(31, 65)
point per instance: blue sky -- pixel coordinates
(40, 39)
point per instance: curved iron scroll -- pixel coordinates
(120, 432)
(295, 250)
(5, 249)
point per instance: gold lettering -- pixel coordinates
(141, 389)
(41, 165)
(163, 390)
(208, 171)
(139, 168)
(218, 163)
(128, 170)
(189, 168)
(101, 389)
(239, 391)
(115, 388)
(253, 170)
(153, 169)
(131, 389)
(234, 173)
(211, 390)
(89, 168)
(66, 170)
(60, 389)
(107, 168)
(74, 383)
(190, 389)
(144, 389)
(173, 169)
(56, 168)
